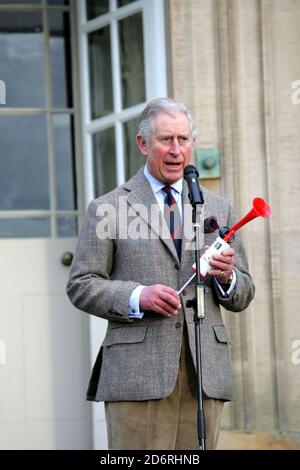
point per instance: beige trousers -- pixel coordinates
(169, 423)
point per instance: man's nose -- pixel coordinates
(175, 147)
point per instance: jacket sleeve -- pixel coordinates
(244, 290)
(89, 287)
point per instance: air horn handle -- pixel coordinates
(259, 208)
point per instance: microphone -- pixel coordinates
(191, 176)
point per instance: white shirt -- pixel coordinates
(160, 195)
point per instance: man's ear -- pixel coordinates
(142, 144)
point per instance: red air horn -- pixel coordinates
(260, 208)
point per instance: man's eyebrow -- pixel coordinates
(163, 135)
(170, 134)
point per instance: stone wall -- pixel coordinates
(235, 63)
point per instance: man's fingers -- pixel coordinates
(225, 254)
(216, 272)
(160, 299)
(226, 257)
(165, 309)
(222, 263)
(228, 252)
(170, 299)
(170, 291)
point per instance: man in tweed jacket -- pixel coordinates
(126, 269)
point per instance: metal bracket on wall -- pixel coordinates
(208, 163)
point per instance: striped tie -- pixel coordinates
(173, 219)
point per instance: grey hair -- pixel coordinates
(162, 105)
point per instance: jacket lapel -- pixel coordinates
(141, 200)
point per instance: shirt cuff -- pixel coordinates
(230, 287)
(134, 303)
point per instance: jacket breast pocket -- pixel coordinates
(221, 334)
(125, 335)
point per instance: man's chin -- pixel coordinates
(171, 176)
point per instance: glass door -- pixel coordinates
(37, 178)
(44, 351)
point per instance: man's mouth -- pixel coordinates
(174, 164)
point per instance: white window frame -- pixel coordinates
(49, 111)
(155, 77)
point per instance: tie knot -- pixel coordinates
(167, 189)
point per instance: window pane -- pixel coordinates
(104, 155)
(96, 8)
(58, 2)
(24, 182)
(59, 42)
(100, 73)
(64, 162)
(22, 58)
(66, 226)
(132, 60)
(121, 3)
(26, 227)
(134, 160)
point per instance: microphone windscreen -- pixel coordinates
(190, 169)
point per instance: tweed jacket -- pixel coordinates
(139, 358)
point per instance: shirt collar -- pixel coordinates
(157, 185)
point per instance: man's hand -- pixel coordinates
(222, 265)
(160, 299)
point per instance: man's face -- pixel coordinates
(169, 148)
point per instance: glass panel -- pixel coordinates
(60, 59)
(26, 227)
(24, 182)
(104, 155)
(96, 8)
(134, 160)
(100, 73)
(58, 2)
(64, 163)
(132, 60)
(22, 58)
(66, 226)
(122, 3)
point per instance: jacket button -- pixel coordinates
(176, 266)
(178, 324)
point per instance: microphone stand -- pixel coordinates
(197, 303)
